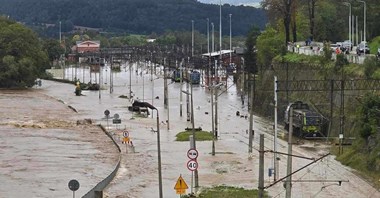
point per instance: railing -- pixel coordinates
(97, 191)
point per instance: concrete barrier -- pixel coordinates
(97, 191)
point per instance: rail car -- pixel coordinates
(194, 77)
(176, 75)
(306, 122)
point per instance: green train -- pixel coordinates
(306, 122)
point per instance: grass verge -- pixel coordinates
(199, 136)
(227, 192)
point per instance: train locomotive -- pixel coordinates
(192, 76)
(306, 122)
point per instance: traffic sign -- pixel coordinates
(116, 116)
(180, 186)
(125, 140)
(73, 185)
(116, 121)
(192, 154)
(107, 113)
(192, 165)
(126, 134)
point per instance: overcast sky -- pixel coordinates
(255, 3)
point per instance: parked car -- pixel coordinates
(347, 44)
(362, 48)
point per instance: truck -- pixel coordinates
(306, 121)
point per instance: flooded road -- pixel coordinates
(42, 147)
(232, 165)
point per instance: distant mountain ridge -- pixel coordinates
(134, 16)
(254, 3)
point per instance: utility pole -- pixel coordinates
(216, 113)
(212, 38)
(130, 79)
(180, 90)
(196, 182)
(275, 161)
(165, 87)
(261, 167)
(208, 36)
(212, 120)
(251, 122)
(192, 38)
(187, 99)
(220, 43)
(288, 184)
(230, 39)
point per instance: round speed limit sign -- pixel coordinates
(192, 165)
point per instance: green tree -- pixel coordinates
(369, 115)
(22, 59)
(53, 49)
(250, 55)
(269, 45)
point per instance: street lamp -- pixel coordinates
(365, 15)
(192, 38)
(212, 37)
(208, 36)
(230, 40)
(349, 22)
(145, 104)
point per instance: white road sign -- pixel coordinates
(192, 154)
(126, 134)
(192, 165)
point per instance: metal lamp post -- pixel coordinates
(365, 19)
(212, 38)
(208, 36)
(192, 38)
(230, 39)
(349, 22)
(145, 104)
(159, 156)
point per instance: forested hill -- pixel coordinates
(134, 16)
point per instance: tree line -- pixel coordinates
(132, 16)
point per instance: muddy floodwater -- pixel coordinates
(42, 147)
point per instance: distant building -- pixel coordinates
(86, 46)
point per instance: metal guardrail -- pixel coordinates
(97, 191)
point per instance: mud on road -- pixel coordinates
(42, 148)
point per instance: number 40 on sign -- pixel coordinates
(192, 165)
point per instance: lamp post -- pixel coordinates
(212, 37)
(145, 104)
(349, 22)
(192, 38)
(365, 19)
(159, 156)
(230, 39)
(208, 36)
(220, 44)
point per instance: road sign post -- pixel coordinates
(192, 165)
(107, 114)
(180, 186)
(192, 154)
(73, 186)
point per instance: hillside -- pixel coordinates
(133, 16)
